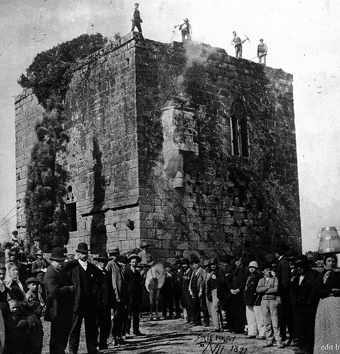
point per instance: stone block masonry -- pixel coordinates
(27, 113)
(181, 146)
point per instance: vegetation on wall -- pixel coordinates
(51, 71)
(45, 213)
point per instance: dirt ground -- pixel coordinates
(176, 337)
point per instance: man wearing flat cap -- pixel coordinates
(59, 301)
(104, 298)
(86, 280)
(134, 290)
(119, 294)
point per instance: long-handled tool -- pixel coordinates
(173, 32)
(247, 39)
(257, 56)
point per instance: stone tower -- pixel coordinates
(180, 146)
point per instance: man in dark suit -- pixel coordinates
(304, 305)
(283, 273)
(135, 290)
(236, 306)
(119, 294)
(186, 297)
(177, 277)
(104, 305)
(86, 280)
(59, 301)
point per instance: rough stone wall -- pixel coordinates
(27, 113)
(152, 154)
(221, 202)
(102, 154)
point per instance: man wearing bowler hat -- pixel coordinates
(59, 301)
(104, 305)
(119, 294)
(135, 291)
(86, 280)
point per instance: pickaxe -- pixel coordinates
(247, 39)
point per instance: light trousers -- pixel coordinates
(270, 312)
(215, 310)
(255, 321)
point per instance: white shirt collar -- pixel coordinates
(83, 264)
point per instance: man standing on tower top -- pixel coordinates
(237, 43)
(136, 20)
(262, 52)
(185, 29)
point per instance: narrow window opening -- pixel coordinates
(239, 129)
(244, 136)
(235, 135)
(71, 210)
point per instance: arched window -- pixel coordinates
(239, 129)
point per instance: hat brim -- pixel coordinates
(130, 258)
(58, 259)
(82, 251)
(99, 259)
(301, 262)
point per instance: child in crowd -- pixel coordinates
(16, 328)
(35, 305)
(33, 297)
(268, 287)
(253, 309)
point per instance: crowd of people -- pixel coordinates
(289, 301)
(285, 301)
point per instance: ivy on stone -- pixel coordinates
(44, 206)
(51, 71)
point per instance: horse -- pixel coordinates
(155, 278)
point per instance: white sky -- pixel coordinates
(302, 37)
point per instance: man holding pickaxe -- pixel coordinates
(237, 42)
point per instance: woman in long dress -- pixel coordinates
(327, 321)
